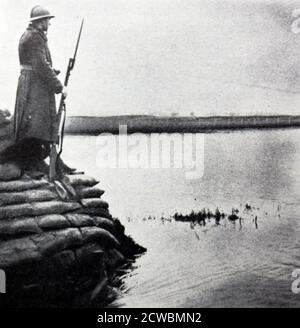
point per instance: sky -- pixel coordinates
(162, 57)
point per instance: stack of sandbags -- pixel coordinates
(46, 241)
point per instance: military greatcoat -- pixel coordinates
(35, 109)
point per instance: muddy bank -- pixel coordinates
(157, 124)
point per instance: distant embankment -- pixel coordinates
(152, 124)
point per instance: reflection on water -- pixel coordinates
(243, 262)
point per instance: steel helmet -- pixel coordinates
(39, 12)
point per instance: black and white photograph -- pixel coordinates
(149, 156)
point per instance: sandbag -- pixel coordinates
(27, 196)
(95, 212)
(9, 171)
(12, 198)
(54, 207)
(52, 222)
(14, 211)
(105, 224)
(89, 252)
(36, 209)
(79, 220)
(103, 237)
(82, 180)
(94, 203)
(89, 192)
(17, 252)
(40, 195)
(21, 185)
(113, 258)
(53, 242)
(19, 226)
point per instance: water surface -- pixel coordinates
(232, 264)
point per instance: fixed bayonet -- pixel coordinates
(57, 147)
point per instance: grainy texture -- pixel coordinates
(46, 241)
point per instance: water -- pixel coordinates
(233, 264)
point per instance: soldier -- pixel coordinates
(35, 120)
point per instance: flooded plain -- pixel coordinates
(246, 262)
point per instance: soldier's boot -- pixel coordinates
(64, 168)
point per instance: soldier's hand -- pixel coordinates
(65, 92)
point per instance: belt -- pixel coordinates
(27, 67)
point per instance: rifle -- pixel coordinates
(57, 147)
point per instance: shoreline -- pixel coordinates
(90, 125)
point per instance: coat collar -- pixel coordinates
(40, 32)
